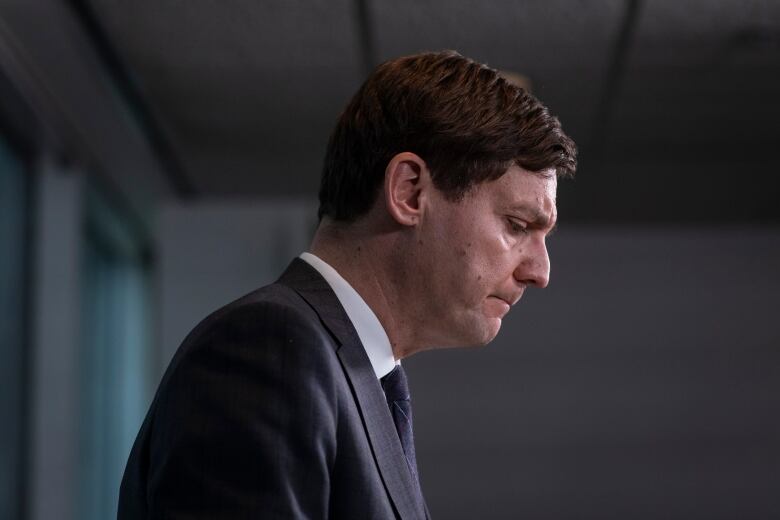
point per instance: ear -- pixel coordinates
(406, 179)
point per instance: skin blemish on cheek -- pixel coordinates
(479, 277)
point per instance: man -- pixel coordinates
(437, 194)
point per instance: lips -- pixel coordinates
(509, 300)
(496, 307)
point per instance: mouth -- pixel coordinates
(511, 300)
(508, 302)
(501, 305)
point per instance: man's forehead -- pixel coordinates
(545, 179)
(533, 197)
(524, 187)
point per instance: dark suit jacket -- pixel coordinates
(270, 409)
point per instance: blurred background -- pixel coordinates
(160, 158)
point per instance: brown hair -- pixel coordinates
(462, 118)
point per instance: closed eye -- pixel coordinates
(517, 227)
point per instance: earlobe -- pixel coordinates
(406, 176)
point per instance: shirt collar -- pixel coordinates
(367, 325)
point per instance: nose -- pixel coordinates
(534, 265)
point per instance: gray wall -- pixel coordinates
(212, 253)
(643, 383)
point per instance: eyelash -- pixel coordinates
(516, 227)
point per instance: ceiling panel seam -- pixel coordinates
(131, 94)
(613, 77)
(364, 24)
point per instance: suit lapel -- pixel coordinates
(377, 421)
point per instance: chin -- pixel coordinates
(481, 333)
(488, 339)
(472, 329)
(490, 329)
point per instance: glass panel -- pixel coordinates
(13, 289)
(115, 357)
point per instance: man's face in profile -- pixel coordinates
(478, 255)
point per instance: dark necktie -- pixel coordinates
(398, 399)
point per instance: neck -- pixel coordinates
(368, 261)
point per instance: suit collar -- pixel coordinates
(377, 421)
(312, 287)
(366, 323)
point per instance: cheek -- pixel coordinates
(485, 253)
(476, 271)
(463, 255)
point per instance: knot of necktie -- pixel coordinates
(395, 385)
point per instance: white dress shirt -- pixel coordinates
(369, 329)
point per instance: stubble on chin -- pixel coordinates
(481, 330)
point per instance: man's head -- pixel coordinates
(450, 174)
(462, 118)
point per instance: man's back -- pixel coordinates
(257, 416)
